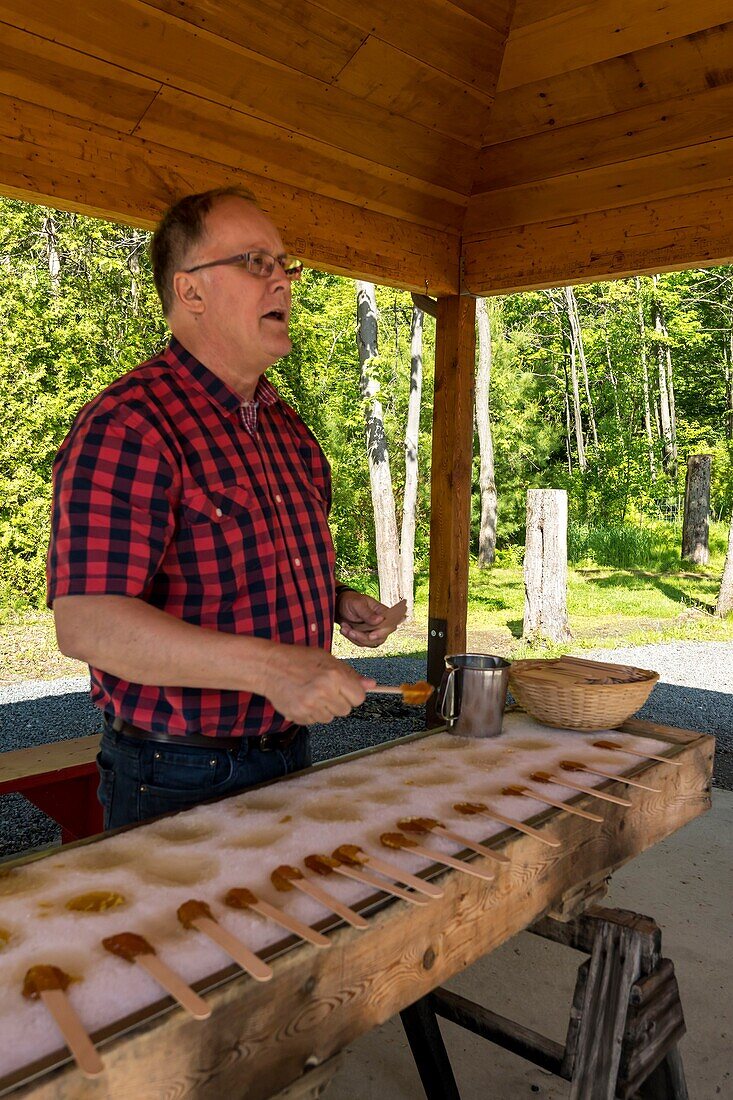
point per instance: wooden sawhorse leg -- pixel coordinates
(625, 1022)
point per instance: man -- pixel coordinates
(190, 564)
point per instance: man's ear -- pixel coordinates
(186, 292)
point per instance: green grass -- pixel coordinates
(606, 606)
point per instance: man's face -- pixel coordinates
(249, 314)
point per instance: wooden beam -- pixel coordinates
(42, 72)
(450, 499)
(52, 159)
(293, 32)
(382, 74)
(683, 67)
(612, 139)
(134, 36)
(588, 33)
(665, 235)
(187, 123)
(261, 1037)
(443, 35)
(683, 171)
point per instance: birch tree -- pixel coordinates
(380, 476)
(645, 381)
(666, 386)
(725, 597)
(487, 478)
(576, 337)
(412, 435)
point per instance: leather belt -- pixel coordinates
(266, 742)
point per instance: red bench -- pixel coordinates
(60, 779)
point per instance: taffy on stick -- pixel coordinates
(134, 948)
(49, 984)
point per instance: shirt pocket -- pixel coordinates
(224, 545)
(217, 506)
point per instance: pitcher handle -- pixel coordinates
(447, 695)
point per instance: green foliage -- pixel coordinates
(79, 309)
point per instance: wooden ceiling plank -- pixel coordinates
(179, 120)
(48, 158)
(144, 40)
(495, 13)
(665, 235)
(531, 11)
(43, 72)
(392, 79)
(653, 128)
(594, 32)
(293, 32)
(440, 34)
(683, 67)
(674, 172)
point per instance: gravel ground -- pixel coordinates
(695, 692)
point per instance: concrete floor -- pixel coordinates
(685, 884)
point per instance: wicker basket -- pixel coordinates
(557, 700)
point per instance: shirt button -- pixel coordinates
(314, 628)
(297, 561)
(218, 512)
(278, 498)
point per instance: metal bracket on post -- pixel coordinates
(437, 645)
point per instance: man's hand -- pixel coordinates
(308, 685)
(365, 621)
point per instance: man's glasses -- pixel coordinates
(257, 263)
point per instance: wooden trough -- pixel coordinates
(261, 1038)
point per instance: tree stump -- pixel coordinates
(697, 509)
(546, 566)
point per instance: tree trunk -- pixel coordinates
(645, 383)
(725, 597)
(487, 481)
(577, 339)
(728, 373)
(49, 233)
(412, 435)
(666, 390)
(546, 566)
(385, 520)
(697, 509)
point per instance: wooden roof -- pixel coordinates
(481, 145)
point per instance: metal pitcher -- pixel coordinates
(472, 694)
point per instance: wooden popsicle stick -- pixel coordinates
(392, 871)
(562, 782)
(473, 845)
(73, 1030)
(520, 826)
(602, 666)
(449, 861)
(618, 778)
(329, 902)
(371, 880)
(412, 694)
(238, 951)
(635, 752)
(530, 792)
(174, 984)
(279, 916)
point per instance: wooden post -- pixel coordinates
(697, 508)
(546, 566)
(450, 499)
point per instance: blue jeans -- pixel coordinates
(143, 779)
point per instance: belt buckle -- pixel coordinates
(267, 742)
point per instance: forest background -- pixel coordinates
(603, 390)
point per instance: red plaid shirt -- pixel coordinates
(168, 490)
